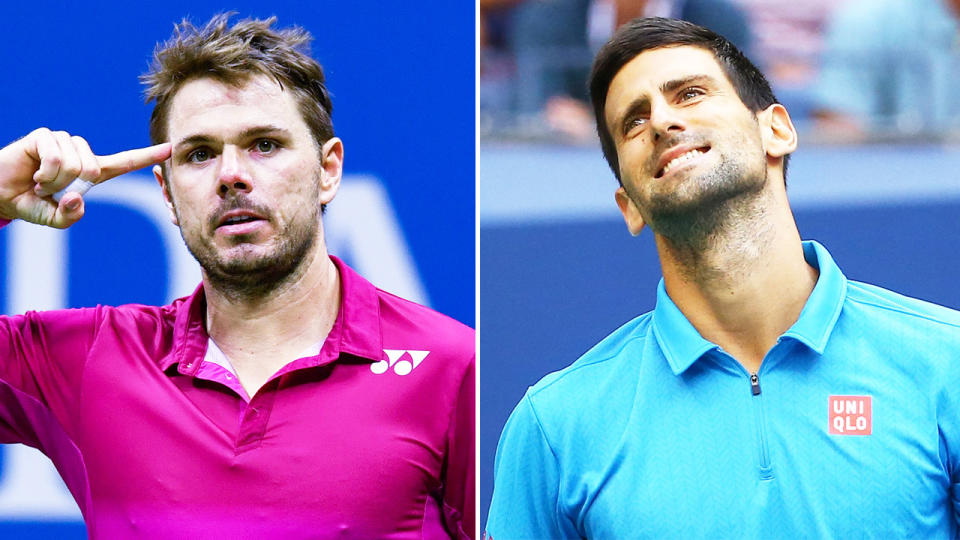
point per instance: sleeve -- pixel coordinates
(42, 355)
(526, 485)
(459, 496)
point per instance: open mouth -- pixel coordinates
(681, 159)
(238, 219)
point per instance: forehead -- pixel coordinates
(648, 71)
(209, 106)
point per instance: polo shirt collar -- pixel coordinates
(682, 344)
(358, 322)
(356, 331)
(820, 313)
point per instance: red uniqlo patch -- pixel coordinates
(850, 415)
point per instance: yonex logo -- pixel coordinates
(401, 367)
(850, 415)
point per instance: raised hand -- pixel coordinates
(44, 162)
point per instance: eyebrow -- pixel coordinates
(676, 84)
(667, 87)
(247, 133)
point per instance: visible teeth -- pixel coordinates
(680, 159)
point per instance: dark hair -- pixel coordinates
(643, 34)
(232, 55)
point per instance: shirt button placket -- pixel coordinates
(253, 423)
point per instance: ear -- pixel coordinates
(631, 214)
(331, 165)
(779, 135)
(167, 199)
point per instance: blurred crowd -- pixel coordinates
(847, 70)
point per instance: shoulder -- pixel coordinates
(601, 376)
(604, 359)
(142, 314)
(409, 325)
(917, 339)
(98, 317)
(402, 324)
(894, 309)
(438, 346)
(142, 311)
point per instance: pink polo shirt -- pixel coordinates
(371, 438)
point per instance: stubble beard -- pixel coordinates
(251, 276)
(708, 217)
(721, 200)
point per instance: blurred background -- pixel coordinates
(404, 107)
(870, 85)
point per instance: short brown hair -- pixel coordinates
(233, 55)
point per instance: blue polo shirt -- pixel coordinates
(850, 428)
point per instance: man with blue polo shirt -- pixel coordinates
(765, 396)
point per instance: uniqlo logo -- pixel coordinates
(850, 415)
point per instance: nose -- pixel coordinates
(665, 119)
(234, 175)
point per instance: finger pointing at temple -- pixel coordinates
(46, 163)
(107, 167)
(131, 160)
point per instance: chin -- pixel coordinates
(707, 206)
(256, 269)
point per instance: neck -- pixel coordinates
(747, 282)
(263, 333)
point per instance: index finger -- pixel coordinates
(131, 160)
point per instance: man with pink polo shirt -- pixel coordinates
(287, 397)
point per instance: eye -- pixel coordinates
(265, 146)
(634, 122)
(199, 155)
(690, 93)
